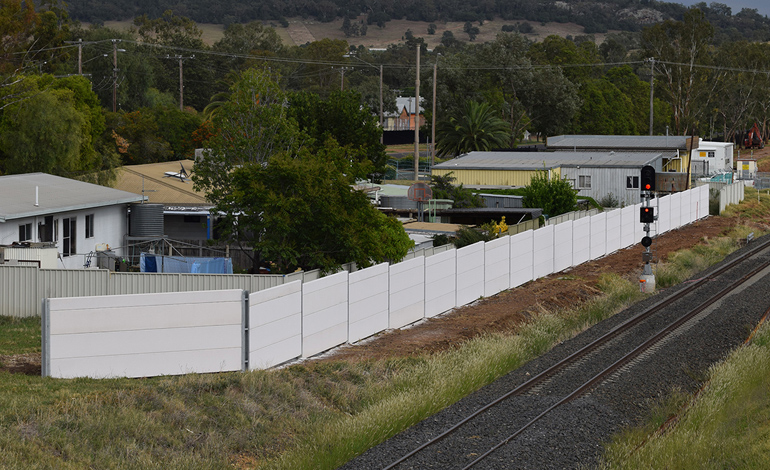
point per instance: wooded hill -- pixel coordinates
(596, 16)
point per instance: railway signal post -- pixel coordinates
(647, 216)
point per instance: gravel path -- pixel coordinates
(573, 435)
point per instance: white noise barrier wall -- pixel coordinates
(324, 313)
(562, 246)
(275, 325)
(470, 273)
(368, 303)
(497, 268)
(522, 258)
(143, 335)
(407, 292)
(440, 282)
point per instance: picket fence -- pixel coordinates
(176, 333)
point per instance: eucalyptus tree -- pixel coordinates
(680, 48)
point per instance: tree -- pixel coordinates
(477, 129)
(554, 195)
(605, 111)
(299, 211)
(679, 46)
(342, 118)
(54, 126)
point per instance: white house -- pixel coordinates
(76, 216)
(711, 158)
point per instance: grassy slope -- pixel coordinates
(392, 33)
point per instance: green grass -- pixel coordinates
(19, 335)
(728, 426)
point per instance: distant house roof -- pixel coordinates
(529, 161)
(162, 183)
(618, 142)
(405, 102)
(54, 194)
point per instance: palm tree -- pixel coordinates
(477, 129)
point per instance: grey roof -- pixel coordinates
(55, 194)
(528, 161)
(618, 142)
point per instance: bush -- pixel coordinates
(609, 200)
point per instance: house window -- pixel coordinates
(89, 226)
(56, 230)
(584, 182)
(711, 154)
(25, 232)
(69, 236)
(45, 229)
(632, 182)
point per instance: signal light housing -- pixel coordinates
(648, 178)
(647, 215)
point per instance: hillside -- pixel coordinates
(385, 22)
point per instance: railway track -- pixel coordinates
(481, 433)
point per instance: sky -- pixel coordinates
(762, 6)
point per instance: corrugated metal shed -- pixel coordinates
(525, 161)
(618, 142)
(54, 194)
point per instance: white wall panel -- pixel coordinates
(497, 266)
(275, 325)
(407, 292)
(522, 257)
(613, 230)
(470, 273)
(562, 246)
(598, 235)
(686, 213)
(581, 241)
(639, 227)
(543, 247)
(324, 313)
(440, 282)
(368, 302)
(143, 335)
(703, 202)
(676, 210)
(663, 211)
(628, 219)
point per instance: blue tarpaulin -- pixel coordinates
(150, 263)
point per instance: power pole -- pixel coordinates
(114, 75)
(382, 128)
(433, 117)
(652, 77)
(417, 119)
(181, 77)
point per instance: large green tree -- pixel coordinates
(52, 126)
(284, 193)
(342, 118)
(681, 48)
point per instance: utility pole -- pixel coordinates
(433, 117)
(181, 78)
(382, 129)
(652, 77)
(114, 75)
(80, 56)
(417, 119)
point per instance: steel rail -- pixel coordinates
(587, 349)
(666, 331)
